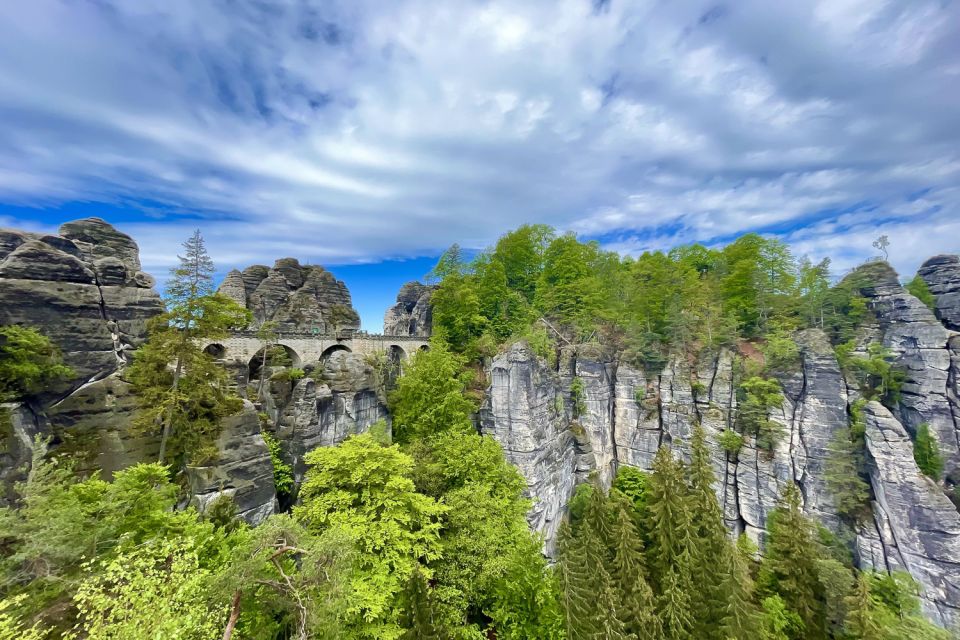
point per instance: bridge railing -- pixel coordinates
(338, 337)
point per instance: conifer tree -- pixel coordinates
(419, 619)
(861, 623)
(668, 520)
(193, 395)
(575, 574)
(740, 620)
(710, 544)
(789, 568)
(607, 622)
(635, 605)
(675, 606)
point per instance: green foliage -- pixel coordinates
(926, 452)
(758, 397)
(28, 362)
(429, 396)
(844, 476)
(292, 374)
(777, 622)
(420, 620)
(365, 490)
(11, 627)
(634, 484)
(780, 352)
(152, 591)
(567, 290)
(789, 569)
(282, 472)
(731, 441)
(919, 289)
(189, 400)
(880, 379)
(577, 397)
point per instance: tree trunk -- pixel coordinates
(168, 419)
(234, 616)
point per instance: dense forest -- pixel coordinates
(418, 530)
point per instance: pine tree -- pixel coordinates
(635, 603)
(607, 623)
(789, 568)
(576, 576)
(194, 311)
(710, 542)
(926, 452)
(419, 619)
(675, 607)
(740, 621)
(668, 520)
(861, 623)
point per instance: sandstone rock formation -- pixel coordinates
(85, 291)
(625, 414)
(942, 275)
(243, 471)
(412, 315)
(299, 298)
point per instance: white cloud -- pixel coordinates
(358, 130)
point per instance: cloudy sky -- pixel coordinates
(371, 135)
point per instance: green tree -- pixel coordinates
(365, 489)
(577, 580)
(521, 252)
(709, 543)
(861, 622)
(926, 452)
(777, 622)
(758, 397)
(419, 619)
(567, 290)
(918, 288)
(634, 604)
(669, 529)
(429, 398)
(851, 493)
(191, 399)
(789, 568)
(154, 591)
(28, 362)
(740, 616)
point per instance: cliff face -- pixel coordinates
(297, 297)
(412, 315)
(624, 415)
(84, 289)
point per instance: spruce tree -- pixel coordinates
(740, 616)
(635, 604)
(675, 606)
(710, 543)
(419, 619)
(789, 568)
(861, 622)
(576, 577)
(668, 520)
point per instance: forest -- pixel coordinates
(419, 530)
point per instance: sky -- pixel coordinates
(369, 136)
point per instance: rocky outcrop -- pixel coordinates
(919, 528)
(299, 298)
(524, 411)
(912, 332)
(412, 315)
(341, 397)
(85, 291)
(242, 471)
(942, 275)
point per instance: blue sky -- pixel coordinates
(368, 136)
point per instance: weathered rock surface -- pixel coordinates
(243, 471)
(524, 411)
(920, 343)
(920, 527)
(412, 315)
(942, 275)
(84, 290)
(343, 400)
(299, 298)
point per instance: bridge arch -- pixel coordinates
(332, 349)
(279, 354)
(397, 353)
(216, 350)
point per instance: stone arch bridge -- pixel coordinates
(309, 348)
